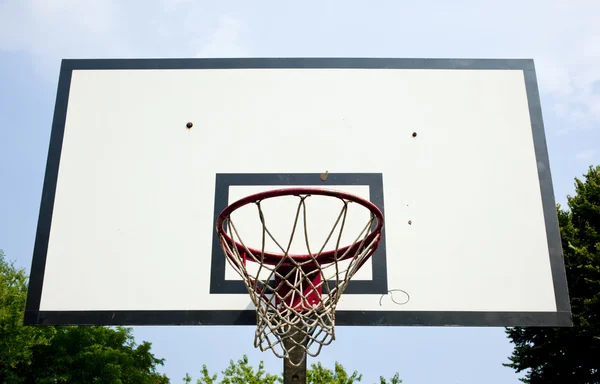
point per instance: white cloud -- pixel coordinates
(225, 41)
(48, 27)
(172, 4)
(570, 70)
(52, 30)
(585, 155)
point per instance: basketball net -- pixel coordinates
(296, 295)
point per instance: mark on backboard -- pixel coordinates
(390, 293)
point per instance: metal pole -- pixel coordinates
(295, 374)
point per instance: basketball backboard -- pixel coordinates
(145, 154)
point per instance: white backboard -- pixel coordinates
(453, 152)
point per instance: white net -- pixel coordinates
(295, 295)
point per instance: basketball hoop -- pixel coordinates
(295, 295)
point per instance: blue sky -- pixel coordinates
(562, 37)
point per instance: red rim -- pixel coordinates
(328, 256)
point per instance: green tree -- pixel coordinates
(16, 341)
(95, 354)
(241, 372)
(393, 380)
(65, 354)
(570, 355)
(317, 374)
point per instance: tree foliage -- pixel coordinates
(570, 355)
(318, 374)
(241, 372)
(95, 354)
(393, 380)
(65, 354)
(16, 341)
(236, 373)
